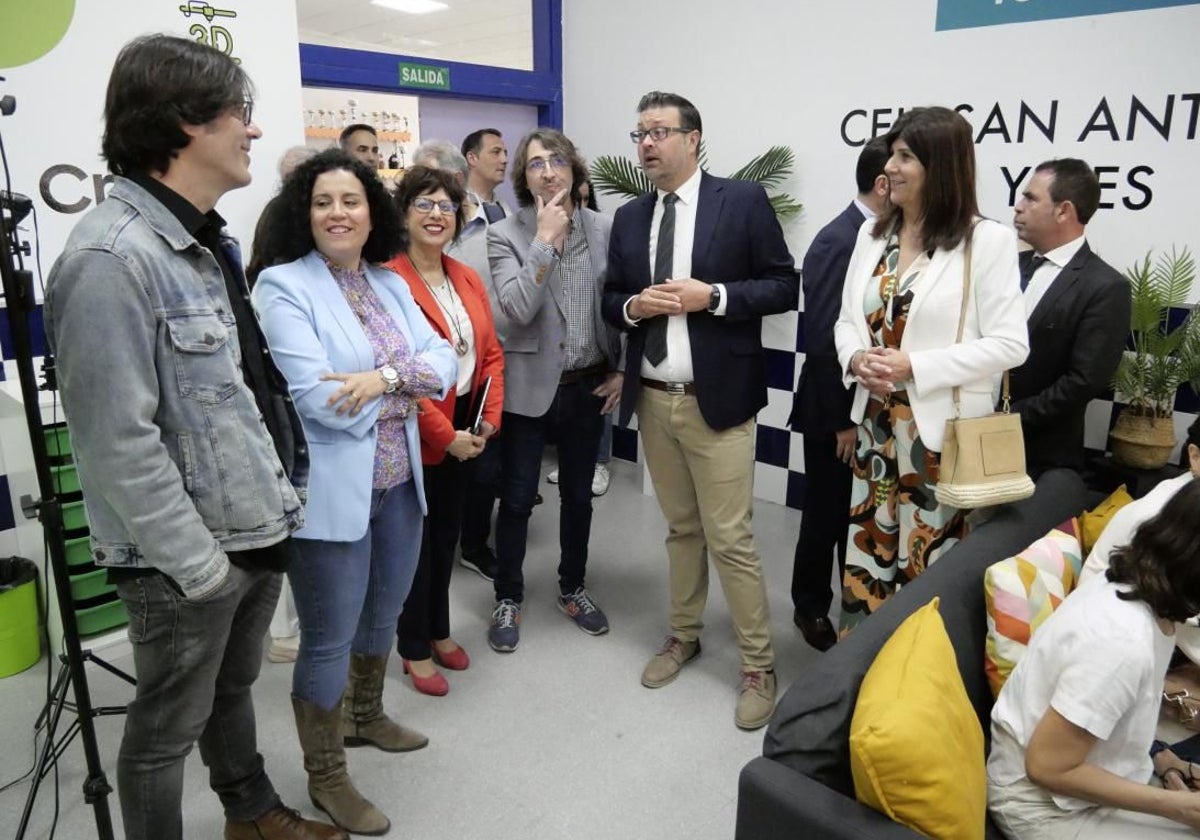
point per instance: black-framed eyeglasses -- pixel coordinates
(658, 134)
(426, 205)
(554, 161)
(246, 109)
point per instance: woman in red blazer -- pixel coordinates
(455, 301)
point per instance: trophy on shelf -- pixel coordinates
(353, 103)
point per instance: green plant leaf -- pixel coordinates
(785, 206)
(770, 169)
(613, 175)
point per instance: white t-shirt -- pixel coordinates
(1099, 662)
(1119, 530)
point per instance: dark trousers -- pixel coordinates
(823, 527)
(483, 486)
(575, 420)
(426, 614)
(195, 661)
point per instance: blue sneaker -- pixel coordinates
(581, 609)
(504, 633)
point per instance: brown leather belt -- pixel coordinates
(670, 387)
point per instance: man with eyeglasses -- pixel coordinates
(190, 454)
(692, 268)
(560, 362)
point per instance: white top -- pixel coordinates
(1047, 272)
(677, 366)
(459, 324)
(1099, 662)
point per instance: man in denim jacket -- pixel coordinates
(188, 450)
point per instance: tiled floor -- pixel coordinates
(556, 740)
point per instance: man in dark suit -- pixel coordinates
(692, 268)
(1078, 308)
(821, 406)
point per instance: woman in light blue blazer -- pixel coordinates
(897, 345)
(358, 354)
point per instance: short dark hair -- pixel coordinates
(287, 233)
(871, 161)
(344, 137)
(1076, 182)
(689, 117)
(158, 84)
(556, 143)
(1161, 564)
(473, 142)
(942, 141)
(1193, 433)
(418, 181)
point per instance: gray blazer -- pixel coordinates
(528, 301)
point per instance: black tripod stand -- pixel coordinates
(19, 299)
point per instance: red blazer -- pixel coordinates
(436, 416)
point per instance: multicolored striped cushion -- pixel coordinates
(1022, 591)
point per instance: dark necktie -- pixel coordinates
(656, 328)
(493, 212)
(1027, 270)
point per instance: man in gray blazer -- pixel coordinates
(560, 359)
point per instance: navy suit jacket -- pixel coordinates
(822, 401)
(738, 242)
(1076, 337)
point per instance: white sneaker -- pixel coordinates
(283, 649)
(600, 480)
(552, 478)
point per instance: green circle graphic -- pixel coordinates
(30, 30)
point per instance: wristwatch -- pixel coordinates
(714, 299)
(391, 378)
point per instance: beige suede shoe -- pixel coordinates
(756, 699)
(665, 665)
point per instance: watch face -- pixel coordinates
(389, 373)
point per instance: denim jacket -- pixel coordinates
(175, 462)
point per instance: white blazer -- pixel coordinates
(995, 335)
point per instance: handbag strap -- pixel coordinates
(962, 322)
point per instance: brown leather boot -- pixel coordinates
(329, 784)
(363, 719)
(282, 823)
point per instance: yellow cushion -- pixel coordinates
(916, 747)
(1092, 522)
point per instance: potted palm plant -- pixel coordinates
(1163, 356)
(615, 175)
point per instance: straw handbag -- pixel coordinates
(983, 458)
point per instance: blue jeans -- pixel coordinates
(195, 661)
(575, 420)
(349, 594)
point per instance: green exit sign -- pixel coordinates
(427, 76)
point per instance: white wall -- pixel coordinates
(779, 71)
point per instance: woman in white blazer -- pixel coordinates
(358, 355)
(896, 341)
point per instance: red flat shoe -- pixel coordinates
(435, 686)
(456, 660)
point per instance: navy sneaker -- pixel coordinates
(581, 609)
(504, 633)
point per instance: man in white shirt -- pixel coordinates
(1078, 310)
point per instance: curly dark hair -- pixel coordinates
(422, 180)
(158, 83)
(556, 143)
(1161, 564)
(287, 228)
(942, 141)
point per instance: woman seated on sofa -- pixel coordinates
(1072, 727)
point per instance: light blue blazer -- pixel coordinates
(311, 330)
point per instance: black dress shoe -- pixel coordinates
(818, 632)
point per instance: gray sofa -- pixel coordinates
(801, 787)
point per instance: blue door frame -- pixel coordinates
(366, 70)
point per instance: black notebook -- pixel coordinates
(477, 404)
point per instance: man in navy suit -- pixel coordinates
(692, 268)
(821, 406)
(1078, 308)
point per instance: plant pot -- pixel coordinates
(1141, 442)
